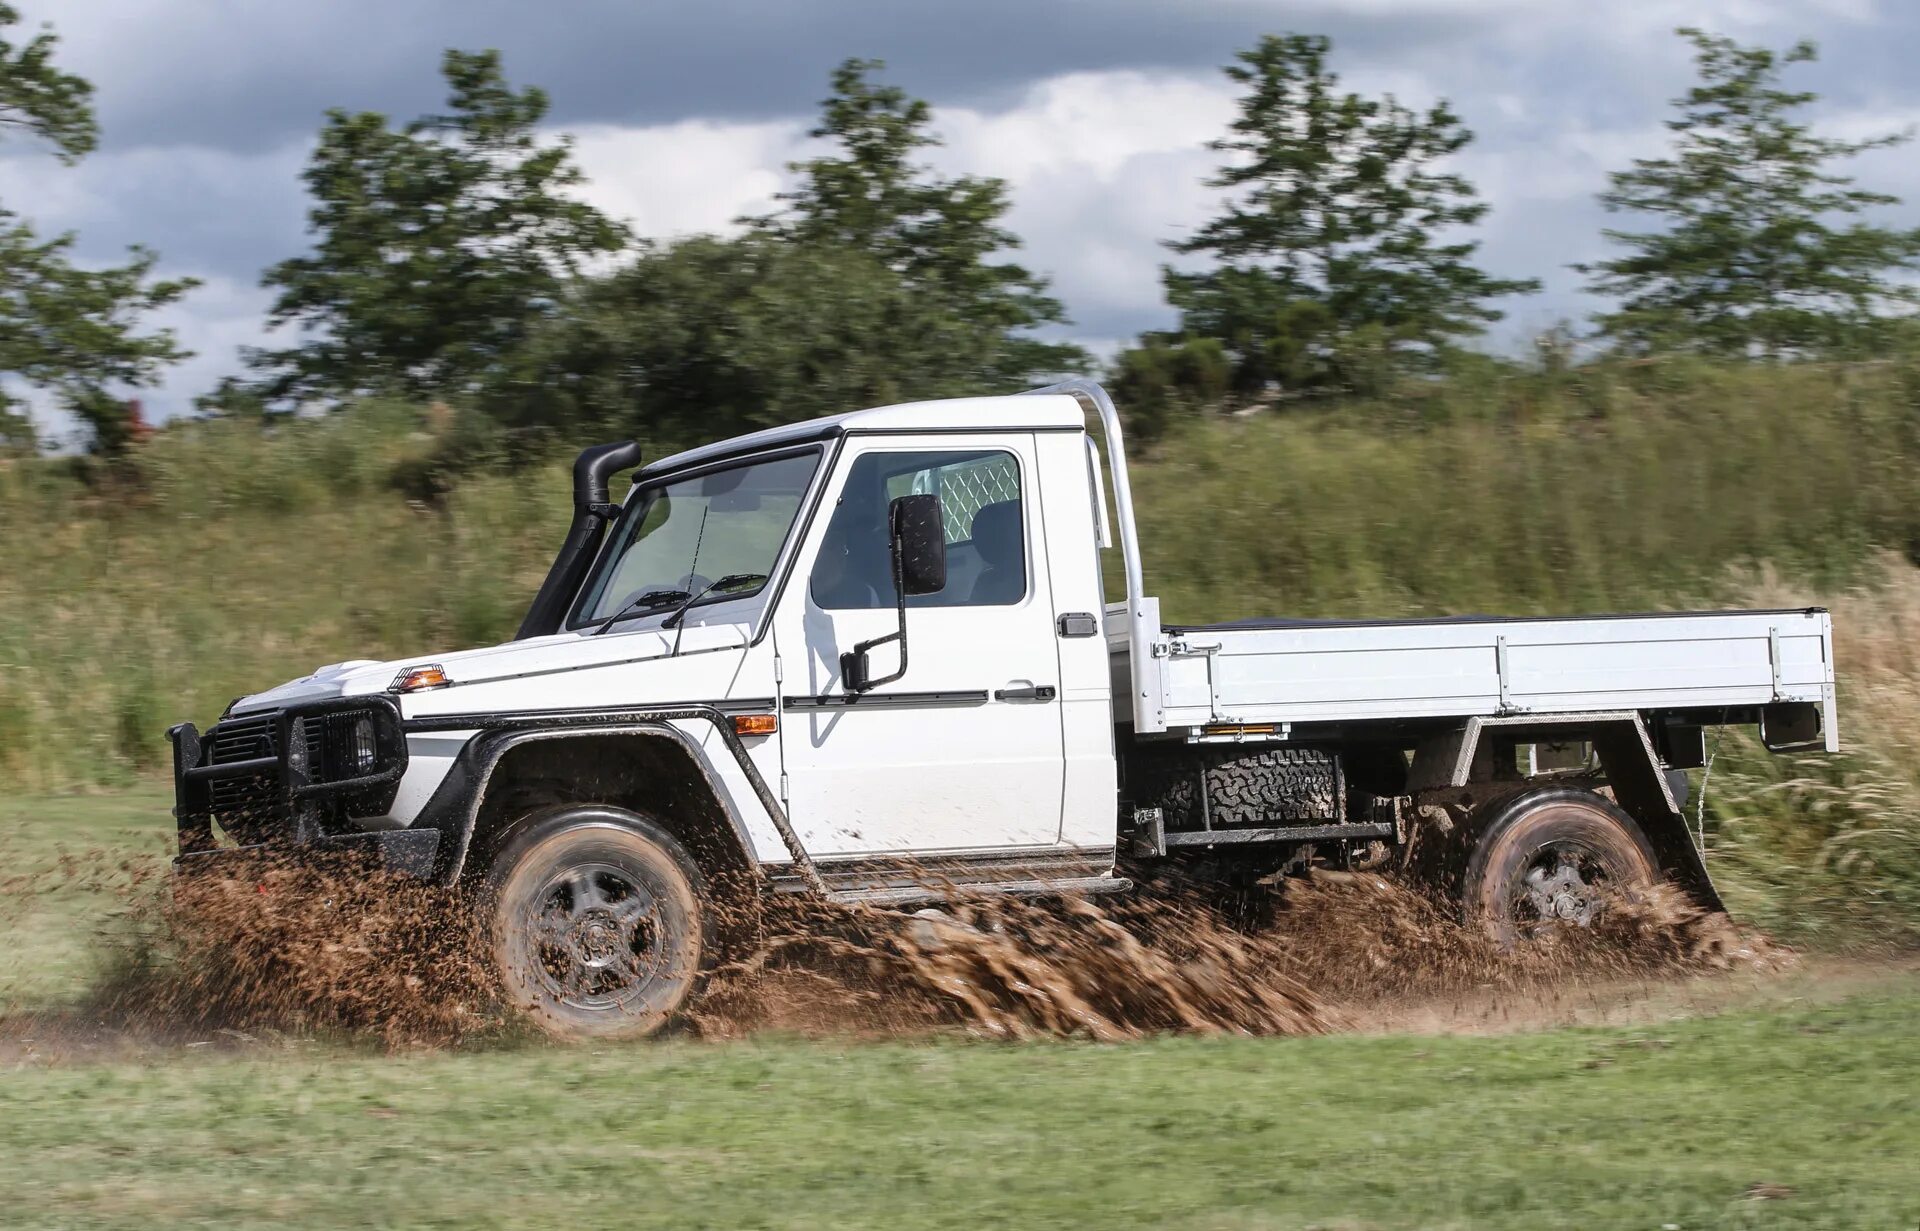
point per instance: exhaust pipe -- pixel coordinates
(591, 513)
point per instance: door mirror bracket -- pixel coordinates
(917, 544)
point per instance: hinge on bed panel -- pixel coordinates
(1500, 668)
(1773, 657)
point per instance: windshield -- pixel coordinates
(683, 535)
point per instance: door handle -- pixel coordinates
(1032, 692)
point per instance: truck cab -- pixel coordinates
(871, 657)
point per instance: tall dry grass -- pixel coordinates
(1826, 849)
(1617, 486)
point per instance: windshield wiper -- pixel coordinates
(652, 600)
(732, 581)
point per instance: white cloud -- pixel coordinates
(680, 179)
(1101, 168)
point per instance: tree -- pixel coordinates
(1340, 236)
(75, 331)
(66, 329)
(711, 336)
(439, 245)
(39, 99)
(944, 237)
(1755, 257)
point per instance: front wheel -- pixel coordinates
(1553, 857)
(600, 925)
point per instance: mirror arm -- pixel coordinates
(853, 663)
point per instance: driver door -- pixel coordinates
(964, 752)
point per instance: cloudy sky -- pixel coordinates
(1095, 111)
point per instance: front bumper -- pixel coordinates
(294, 778)
(405, 852)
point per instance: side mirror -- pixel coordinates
(919, 540)
(917, 536)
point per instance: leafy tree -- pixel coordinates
(64, 328)
(711, 336)
(1756, 256)
(1340, 238)
(439, 245)
(943, 237)
(74, 330)
(39, 99)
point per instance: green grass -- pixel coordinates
(65, 864)
(1635, 1127)
(1578, 1128)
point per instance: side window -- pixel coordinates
(985, 520)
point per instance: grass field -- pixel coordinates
(1642, 1127)
(1807, 1090)
(65, 865)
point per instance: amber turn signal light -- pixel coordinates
(1241, 728)
(755, 724)
(420, 679)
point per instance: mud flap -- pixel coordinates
(1640, 786)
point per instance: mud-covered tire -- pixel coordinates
(1550, 856)
(1244, 785)
(599, 923)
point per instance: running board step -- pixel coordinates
(900, 895)
(1292, 833)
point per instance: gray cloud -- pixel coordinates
(250, 76)
(1094, 110)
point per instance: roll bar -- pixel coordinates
(1143, 613)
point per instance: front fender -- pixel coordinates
(455, 806)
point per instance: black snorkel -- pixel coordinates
(591, 515)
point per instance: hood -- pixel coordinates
(557, 652)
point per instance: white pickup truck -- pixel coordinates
(870, 657)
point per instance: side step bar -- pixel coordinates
(1296, 833)
(900, 895)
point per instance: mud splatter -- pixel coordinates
(307, 948)
(1010, 969)
(1300, 956)
(303, 950)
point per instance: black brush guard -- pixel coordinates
(277, 801)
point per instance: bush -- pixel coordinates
(1165, 379)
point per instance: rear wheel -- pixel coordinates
(600, 924)
(1553, 857)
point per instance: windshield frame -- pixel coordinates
(641, 498)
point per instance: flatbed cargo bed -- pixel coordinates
(1286, 671)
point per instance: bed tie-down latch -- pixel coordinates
(1504, 676)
